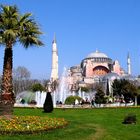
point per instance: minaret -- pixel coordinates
(54, 71)
(128, 64)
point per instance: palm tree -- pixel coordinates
(14, 27)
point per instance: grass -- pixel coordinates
(85, 124)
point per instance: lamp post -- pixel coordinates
(49, 87)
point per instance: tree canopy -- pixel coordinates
(124, 88)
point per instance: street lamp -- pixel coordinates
(49, 88)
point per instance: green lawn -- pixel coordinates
(85, 124)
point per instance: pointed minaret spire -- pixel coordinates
(54, 38)
(96, 50)
(128, 64)
(54, 71)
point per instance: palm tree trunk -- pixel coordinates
(7, 96)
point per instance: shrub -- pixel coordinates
(85, 89)
(130, 119)
(48, 105)
(100, 97)
(71, 100)
(37, 87)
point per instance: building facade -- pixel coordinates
(94, 67)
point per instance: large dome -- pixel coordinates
(97, 54)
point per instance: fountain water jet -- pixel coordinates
(40, 98)
(62, 92)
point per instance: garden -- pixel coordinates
(29, 124)
(79, 124)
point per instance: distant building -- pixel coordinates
(94, 67)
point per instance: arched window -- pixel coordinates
(100, 70)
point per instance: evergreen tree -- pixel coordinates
(48, 105)
(107, 88)
(100, 96)
(125, 88)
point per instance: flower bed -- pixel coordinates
(29, 124)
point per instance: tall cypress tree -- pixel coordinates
(107, 88)
(48, 104)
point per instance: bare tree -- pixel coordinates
(21, 79)
(21, 73)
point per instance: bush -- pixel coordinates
(37, 87)
(48, 105)
(85, 89)
(71, 100)
(130, 119)
(100, 97)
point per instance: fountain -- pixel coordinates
(27, 98)
(59, 95)
(62, 92)
(40, 98)
(24, 98)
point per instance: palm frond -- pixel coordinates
(19, 27)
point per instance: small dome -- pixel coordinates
(97, 54)
(111, 76)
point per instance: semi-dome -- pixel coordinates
(111, 76)
(97, 54)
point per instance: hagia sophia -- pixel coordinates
(97, 66)
(94, 66)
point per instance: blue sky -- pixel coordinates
(81, 27)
